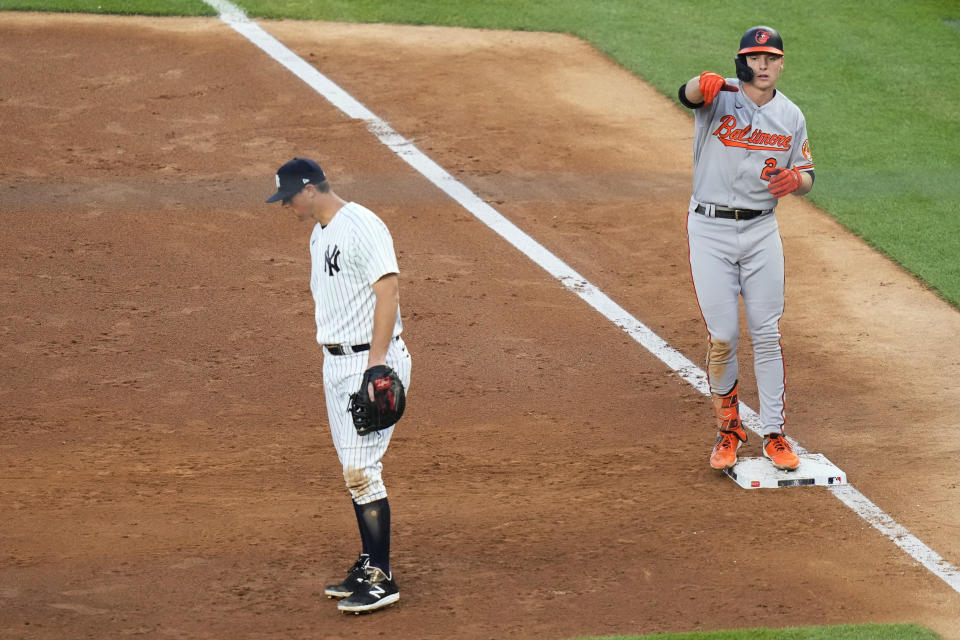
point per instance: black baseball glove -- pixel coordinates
(389, 400)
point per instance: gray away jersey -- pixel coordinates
(348, 256)
(736, 144)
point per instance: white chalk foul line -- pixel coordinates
(237, 20)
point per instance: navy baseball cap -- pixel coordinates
(294, 175)
(761, 40)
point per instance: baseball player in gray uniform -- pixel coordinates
(750, 149)
(355, 286)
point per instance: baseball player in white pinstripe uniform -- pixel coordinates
(354, 281)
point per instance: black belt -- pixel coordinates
(338, 350)
(734, 214)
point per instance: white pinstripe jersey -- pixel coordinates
(736, 144)
(347, 257)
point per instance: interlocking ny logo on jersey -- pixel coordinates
(332, 261)
(747, 138)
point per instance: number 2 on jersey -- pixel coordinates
(771, 164)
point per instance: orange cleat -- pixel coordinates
(724, 453)
(778, 449)
(730, 433)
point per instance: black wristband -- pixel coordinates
(682, 95)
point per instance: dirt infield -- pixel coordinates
(166, 469)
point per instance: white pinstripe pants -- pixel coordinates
(360, 456)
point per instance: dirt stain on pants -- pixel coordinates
(358, 482)
(718, 357)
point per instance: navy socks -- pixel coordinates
(373, 520)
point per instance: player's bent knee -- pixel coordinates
(722, 351)
(364, 484)
(357, 479)
(766, 340)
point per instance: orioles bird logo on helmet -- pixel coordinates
(762, 36)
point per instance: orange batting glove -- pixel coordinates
(713, 83)
(784, 181)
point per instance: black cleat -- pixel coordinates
(375, 591)
(354, 577)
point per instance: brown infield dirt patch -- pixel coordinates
(166, 469)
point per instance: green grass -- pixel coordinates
(843, 632)
(878, 86)
(132, 7)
